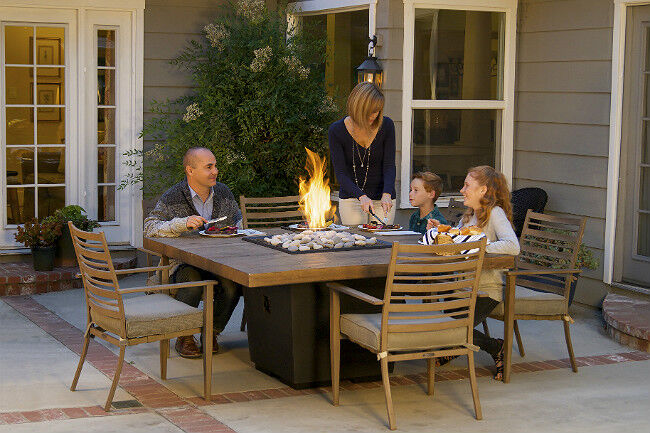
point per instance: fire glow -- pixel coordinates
(315, 203)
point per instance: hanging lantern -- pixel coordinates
(370, 70)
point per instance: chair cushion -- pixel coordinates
(364, 329)
(159, 314)
(536, 303)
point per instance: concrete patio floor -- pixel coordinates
(42, 336)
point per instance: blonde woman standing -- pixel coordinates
(362, 148)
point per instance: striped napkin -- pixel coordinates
(429, 238)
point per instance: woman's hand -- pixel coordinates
(431, 223)
(366, 204)
(386, 203)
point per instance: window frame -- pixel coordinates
(505, 148)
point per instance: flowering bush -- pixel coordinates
(259, 99)
(35, 234)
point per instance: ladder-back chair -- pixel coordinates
(260, 212)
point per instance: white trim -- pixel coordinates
(317, 7)
(505, 150)
(77, 4)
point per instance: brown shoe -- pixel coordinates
(187, 348)
(215, 344)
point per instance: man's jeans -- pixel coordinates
(226, 293)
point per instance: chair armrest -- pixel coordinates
(338, 287)
(160, 287)
(146, 251)
(544, 272)
(137, 270)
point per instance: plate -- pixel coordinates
(361, 227)
(240, 232)
(335, 227)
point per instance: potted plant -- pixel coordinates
(65, 255)
(40, 237)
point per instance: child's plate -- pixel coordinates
(240, 232)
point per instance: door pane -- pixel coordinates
(20, 165)
(645, 143)
(51, 125)
(20, 205)
(643, 238)
(18, 86)
(448, 142)
(49, 46)
(458, 54)
(106, 208)
(18, 45)
(51, 165)
(49, 200)
(106, 48)
(50, 89)
(106, 87)
(644, 183)
(106, 126)
(106, 165)
(20, 125)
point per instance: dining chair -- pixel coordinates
(545, 272)
(259, 212)
(427, 312)
(127, 321)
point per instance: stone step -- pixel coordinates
(627, 319)
(21, 278)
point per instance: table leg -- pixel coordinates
(164, 277)
(508, 324)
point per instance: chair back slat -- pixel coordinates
(270, 211)
(549, 242)
(428, 291)
(99, 278)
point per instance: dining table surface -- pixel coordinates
(253, 265)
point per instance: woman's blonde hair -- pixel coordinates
(497, 194)
(364, 100)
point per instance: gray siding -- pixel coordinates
(562, 114)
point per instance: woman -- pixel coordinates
(362, 148)
(487, 198)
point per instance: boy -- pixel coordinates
(426, 187)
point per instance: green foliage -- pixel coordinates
(35, 234)
(73, 213)
(259, 100)
(586, 259)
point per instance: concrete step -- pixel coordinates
(627, 319)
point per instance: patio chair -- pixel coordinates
(129, 321)
(427, 312)
(259, 212)
(544, 274)
(524, 199)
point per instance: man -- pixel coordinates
(187, 206)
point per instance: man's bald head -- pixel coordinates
(194, 156)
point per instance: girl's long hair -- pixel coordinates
(497, 194)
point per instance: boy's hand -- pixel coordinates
(195, 221)
(431, 223)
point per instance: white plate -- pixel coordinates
(398, 233)
(240, 232)
(361, 227)
(335, 227)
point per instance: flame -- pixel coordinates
(315, 202)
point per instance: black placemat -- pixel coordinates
(259, 240)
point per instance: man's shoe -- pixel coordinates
(215, 344)
(187, 348)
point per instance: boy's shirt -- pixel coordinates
(418, 224)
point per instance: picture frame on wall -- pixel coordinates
(48, 95)
(48, 53)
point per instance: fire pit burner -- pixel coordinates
(259, 240)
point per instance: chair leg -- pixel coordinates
(486, 331)
(389, 401)
(164, 353)
(82, 358)
(431, 373)
(569, 346)
(520, 344)
(116, 379)
(474, 385)
(242, 327)
(335, 345)
(207, 363)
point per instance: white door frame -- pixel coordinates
(506, 147)
(76, 101)
(615, 131)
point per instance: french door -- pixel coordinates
(66, 116)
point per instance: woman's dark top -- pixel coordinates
(381, 170)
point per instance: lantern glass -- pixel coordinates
(374, 77)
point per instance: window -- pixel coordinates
(457, 90)
(106, 117)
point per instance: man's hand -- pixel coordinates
(194, 222)
(386, 203)
(366, 204)
(431, 223)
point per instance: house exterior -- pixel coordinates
(551, 92)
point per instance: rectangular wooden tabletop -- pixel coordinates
(258, 266)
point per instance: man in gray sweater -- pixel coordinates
(185, 207)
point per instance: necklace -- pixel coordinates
(366, 164)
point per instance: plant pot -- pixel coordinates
(43, 258)
(65, 255)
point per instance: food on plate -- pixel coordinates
(443, 238)
(454, 232)
(227, 230)
(377, 226)
(443, 228)
(464, 231)
(474, 230)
